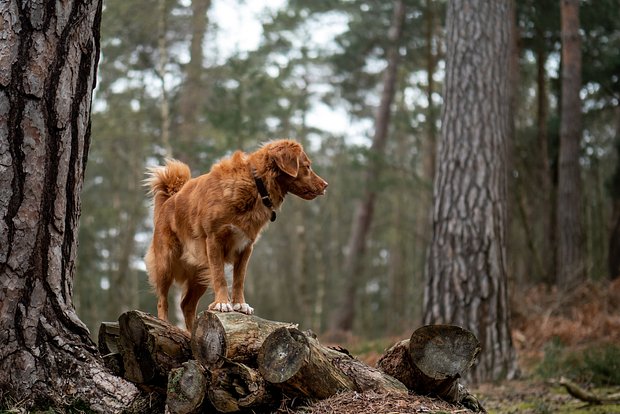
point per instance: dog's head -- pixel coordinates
(296, 175)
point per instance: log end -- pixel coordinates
(443, 351)
(209, 340)
(282, 354)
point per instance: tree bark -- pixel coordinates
(236, 386)
(151, 347)
(48, 62)
(432, 361)
(466, 281)
(222, 336)
(301, 366)
(570, 227)
(342, 319)
(193, 93)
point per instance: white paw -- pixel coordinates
(221, 307)
(243, 308)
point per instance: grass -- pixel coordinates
(596, 364)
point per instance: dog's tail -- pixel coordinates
(166, 181)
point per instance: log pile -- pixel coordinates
(234, 362)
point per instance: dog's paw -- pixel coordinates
(221, 307)
(243, 308)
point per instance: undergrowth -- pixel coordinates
(596, 364)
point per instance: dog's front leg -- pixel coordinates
(239, 270)
(218, 279)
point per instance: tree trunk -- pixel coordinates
(193, 93)
(466, 267)
(547, 190)
(570, 240)
(48, 62)
(342, 319)
(613, 253)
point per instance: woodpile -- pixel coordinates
(234, 362)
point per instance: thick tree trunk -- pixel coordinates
(570, 227)
(48, 62)
(342, 319)
(466, 281)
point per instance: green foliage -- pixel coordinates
(597, 364)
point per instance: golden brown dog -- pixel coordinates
(204, 222)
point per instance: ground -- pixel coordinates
(575, 335)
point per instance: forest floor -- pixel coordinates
(576, 336)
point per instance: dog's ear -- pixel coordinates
(287, 159)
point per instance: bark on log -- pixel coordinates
(108, 337)
(187, 388)
(300, 365)
(433, 360)
(151, 347)
(235, 386)
(219, 336)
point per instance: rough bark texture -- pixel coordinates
(301, 366)
(342, 319)
(433, 360)
(236, 386)
(48, 61)
(465, 272)
(222, 336)
(570, 227)
(150, 348)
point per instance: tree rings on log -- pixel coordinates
(443, 352)
(221, 336)
(298, 365)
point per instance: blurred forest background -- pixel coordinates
(176, 79)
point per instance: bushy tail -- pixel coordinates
(165, 181)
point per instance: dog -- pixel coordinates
(202, 223)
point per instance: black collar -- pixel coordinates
(264, 194)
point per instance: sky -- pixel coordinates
(240, 29)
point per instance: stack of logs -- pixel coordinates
(234, 362)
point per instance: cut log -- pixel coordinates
(187, 388)
(151, 347)
(432, 361)
(235, 386)
(301, 366)
(221, 336)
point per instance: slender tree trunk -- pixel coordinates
(164, 107)
(570, 226)
(466, 268)
(193, 91)
(343, 318)
(48, 63)
(547, 190)
(613, 254)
